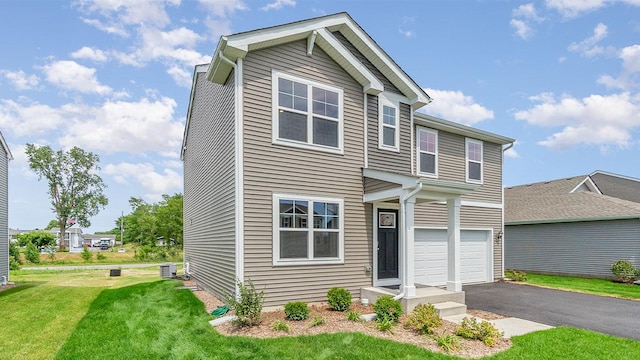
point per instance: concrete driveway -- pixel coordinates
(555, 307)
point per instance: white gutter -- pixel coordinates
(405, 258)
(509, 146)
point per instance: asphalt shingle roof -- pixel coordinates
(552, 201)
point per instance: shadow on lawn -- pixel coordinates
(20, 287)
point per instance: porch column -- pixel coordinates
(409, 273)
(453, 242)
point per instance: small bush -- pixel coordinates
(280, 326)
(296, 310)
(449, 342)
(339, 299)
(515, 275)
(470, 328)
(317, 320)
(353, 316)
(100, 256)
(387, 309)
(14, 252)
(13, 264)
(248, 305)
(32, 254)
(51, 254)
(424, 319)
(386, 325)
(86, 254)
(624, 271)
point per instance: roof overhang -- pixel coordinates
(455, 128)
(6, 147)
(232, 47)
(197, 70)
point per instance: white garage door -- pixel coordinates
(431, 256)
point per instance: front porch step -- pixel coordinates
(450, 308)
(424, 295)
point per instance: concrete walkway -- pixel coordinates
(91, 267)
(509, 326)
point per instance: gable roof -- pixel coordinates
(620, 186)
(318, 31)
(455, 128)
(564, 200)
(6, 147)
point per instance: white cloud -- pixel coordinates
(456, 106)
(407, 21)
(630, 57)
(588, 47)
(224, 8)
(527, 11)
(180, 76)
(522, 30)
(594, 120)
(72, 76)
(154, 183)
(218, 27)
(511, 152)
(88, 53)
(574, 8)
(129, 12)
(117, 29)
(115, 126)
(278, 4)
(20, 80)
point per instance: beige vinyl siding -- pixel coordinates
(373, 185)
(452, 167)
(209, 187)
(388, 86)
(388, 160)
(4, 213)
(433, 214)
(271, 168)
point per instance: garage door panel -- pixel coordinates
(431, 256)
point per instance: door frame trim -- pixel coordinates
(390, 281)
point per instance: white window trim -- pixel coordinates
(394, 102)
(418, 151)
(275, 75)
(467, 141)
(276, 232)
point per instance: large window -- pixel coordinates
(388, 124)
(306, 113)
(427, 152)
(307, 230)
(474, 160)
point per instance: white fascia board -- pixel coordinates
(589, 183)
(383, 195)
(6, 147)
(614, 175)
(404, 180)
(455, 128)
(198, 69)
(447, 187)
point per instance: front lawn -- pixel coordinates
(142, 317)
(590, 286)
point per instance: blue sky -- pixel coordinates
(112, 77)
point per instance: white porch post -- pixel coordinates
(453, 248)
(409, 276)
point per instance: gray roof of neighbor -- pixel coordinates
(554, 201)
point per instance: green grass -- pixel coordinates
(84, 315)
(590, 286)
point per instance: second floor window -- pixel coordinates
(389, 131)
(474, 160)
(307, 114)
(427, 152)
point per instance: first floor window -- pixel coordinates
(474, 160)
(307, 229)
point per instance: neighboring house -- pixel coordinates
(306, 167)
(5, 156)
(94, 240)
(573, 226)
(73, 238)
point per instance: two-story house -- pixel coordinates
(5, 156)
(306, 167)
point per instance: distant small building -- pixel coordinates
(93, 240)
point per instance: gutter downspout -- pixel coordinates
(405, 258)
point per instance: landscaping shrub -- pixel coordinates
(387, 309)
(317, 320)
(280, 326)
(514, 275)
(386, 325)
(353, 316)
(86, 254)
(14, 252)
(296, 310)
(13, 264)
(449, 342)
(339, 299)
(624, 271)
(248, 305)
(424, 319)
(100, 256)
(484, 331)
(32, 254)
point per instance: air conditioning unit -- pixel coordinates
(168, 270)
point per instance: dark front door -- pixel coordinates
(387, 244)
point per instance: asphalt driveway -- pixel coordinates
(555, 307)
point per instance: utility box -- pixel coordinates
(168, 270)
